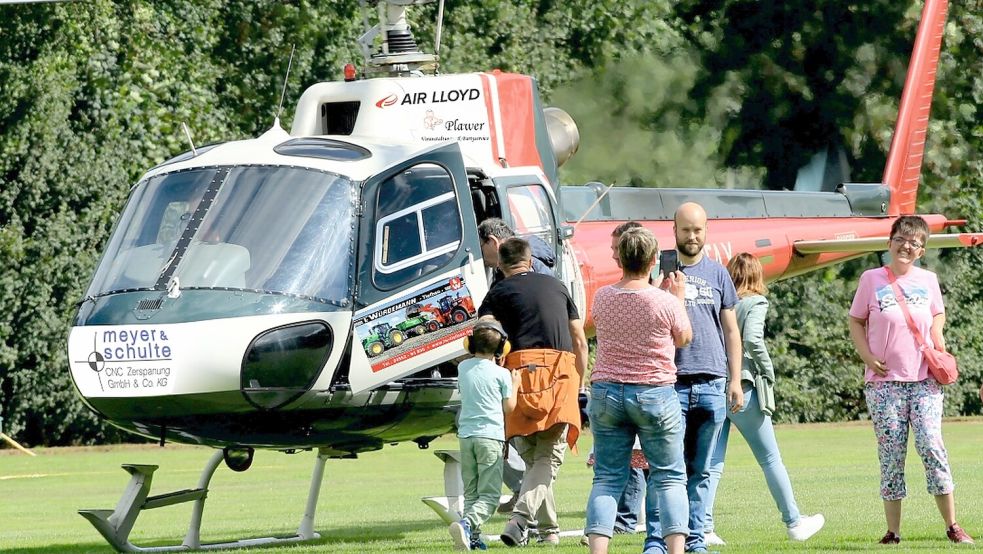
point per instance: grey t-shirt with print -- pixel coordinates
(709, 289)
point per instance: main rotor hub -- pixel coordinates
(398, 55)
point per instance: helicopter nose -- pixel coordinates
(281, 364)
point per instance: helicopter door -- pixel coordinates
(420, 274)
(530, 209)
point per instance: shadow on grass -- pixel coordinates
(379, 532)
(61, 549)
(390, 537)
(379, 538)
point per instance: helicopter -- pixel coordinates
(270, 293)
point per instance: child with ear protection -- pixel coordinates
(487, 393)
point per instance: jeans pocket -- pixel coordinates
(657, 403)
(597, 405)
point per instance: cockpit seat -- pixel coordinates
(214, 264)
(142, 266)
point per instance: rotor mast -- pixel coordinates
(398, 55)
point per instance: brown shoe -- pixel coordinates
(890, 538)
(957, 535)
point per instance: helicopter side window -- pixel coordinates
(530, 208)
(419, 227)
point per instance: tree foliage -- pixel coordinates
(722, 92)
(952, 181)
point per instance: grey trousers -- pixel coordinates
(514, 468)
(543, 454)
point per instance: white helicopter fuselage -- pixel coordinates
(311, 289)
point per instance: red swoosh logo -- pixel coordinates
(387, 101)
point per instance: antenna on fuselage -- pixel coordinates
(596, 202)
(187, 133)
(283, 93)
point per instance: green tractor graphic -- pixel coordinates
(383, 336)
(418, 321)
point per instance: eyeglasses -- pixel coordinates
(900, 241)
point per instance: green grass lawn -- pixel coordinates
(373, 504)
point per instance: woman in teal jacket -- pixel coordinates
(754, 419)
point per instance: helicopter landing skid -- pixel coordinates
(115, 525)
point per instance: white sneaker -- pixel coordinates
(713, 539)
(806, 527)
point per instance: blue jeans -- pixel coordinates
(630, 503)
(760, 436)
(704, 409)
(618, 412)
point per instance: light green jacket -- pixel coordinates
(751, 313)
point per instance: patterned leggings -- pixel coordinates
(893, 407)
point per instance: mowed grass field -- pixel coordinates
(372, 504)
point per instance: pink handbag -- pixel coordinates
(941, 365)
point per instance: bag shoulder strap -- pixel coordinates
(899, 297)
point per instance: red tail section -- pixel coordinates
(904, 162)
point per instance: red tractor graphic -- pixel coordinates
(448, 311)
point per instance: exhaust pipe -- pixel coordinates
(564, 135)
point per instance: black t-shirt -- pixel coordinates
(534, 309)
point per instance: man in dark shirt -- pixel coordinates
(548, 336)
(492, 232)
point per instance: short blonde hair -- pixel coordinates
(637, 248)
(748, 275)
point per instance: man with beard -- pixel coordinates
(708, 370)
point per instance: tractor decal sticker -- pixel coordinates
(416, 324)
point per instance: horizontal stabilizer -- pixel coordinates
(877, 244)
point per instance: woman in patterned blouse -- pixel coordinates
(638, 329)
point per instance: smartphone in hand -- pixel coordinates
(668, 262)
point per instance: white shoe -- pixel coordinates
(806, 527)
(713, 539)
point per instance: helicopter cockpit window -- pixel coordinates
(277, 229)
(269, 229)
(156, 215)
(419, 225)
(530, 208)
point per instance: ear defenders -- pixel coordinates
(504, 346)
